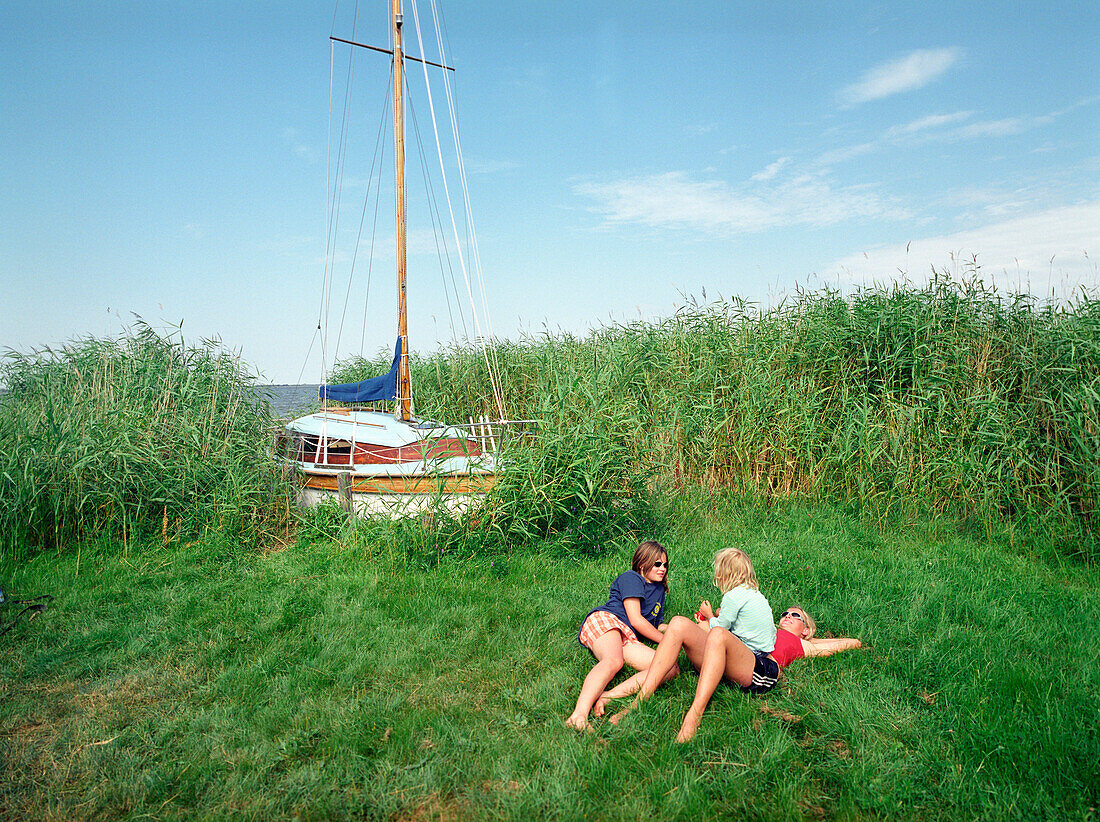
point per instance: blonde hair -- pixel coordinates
(809, 623)
(648, 553)
(732, 567)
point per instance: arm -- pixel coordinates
(639, 623)
(704, 615)
(828, 647)
(732, 602)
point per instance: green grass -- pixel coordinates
(356, 678)
(918, 466)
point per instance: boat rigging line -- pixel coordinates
(379, 139)
(438, 233)
(475, 256)
(334, 186)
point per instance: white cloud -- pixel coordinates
(932, 121)
(842, 155)
(771, 170)
(383, 254)
(1015, 125)
(490, 166)
(934, 128)
(299, 148)
(910, 72)
(999, 128)
(978, 203)
(674, 200)
(1043, 251)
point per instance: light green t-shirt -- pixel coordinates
(746, 614)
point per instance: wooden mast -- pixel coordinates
(404, 387)
(404, 383)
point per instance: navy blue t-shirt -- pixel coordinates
(632, 584)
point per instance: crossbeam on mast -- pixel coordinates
(389, 52)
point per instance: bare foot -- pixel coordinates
(601, 706)
(618, 717)
(579, 723)
(689, 726)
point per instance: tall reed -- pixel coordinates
(945, 396)
(139, 434)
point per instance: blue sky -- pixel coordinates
(168, 160)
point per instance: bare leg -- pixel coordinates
(608, 650)
(724, 656)
(681, 633)
(629, 686)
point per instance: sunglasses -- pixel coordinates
(799, 617)
(660, 564)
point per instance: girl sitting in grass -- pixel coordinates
(744, 612)
(724, 656)
(634, 607)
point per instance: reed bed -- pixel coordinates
(133, 436)
(943, 397)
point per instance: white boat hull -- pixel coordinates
(390, 505)
(376, 465)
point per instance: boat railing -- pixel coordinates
(493, 435)
(490, 435)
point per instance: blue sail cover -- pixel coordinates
(373, 390)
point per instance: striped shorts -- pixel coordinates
(765, 674)
(599, 623)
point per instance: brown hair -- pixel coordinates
(648, 553)
(732, 567)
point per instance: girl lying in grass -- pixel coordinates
(725, 656)
(634, 607)
(716, 647)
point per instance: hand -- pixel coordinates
(662, 627)
(705, 611)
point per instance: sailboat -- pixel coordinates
(374, 461)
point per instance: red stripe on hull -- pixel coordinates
(365, 454)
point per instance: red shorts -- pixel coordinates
(599, 623)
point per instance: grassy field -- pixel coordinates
(351, 677)
(918, 466)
